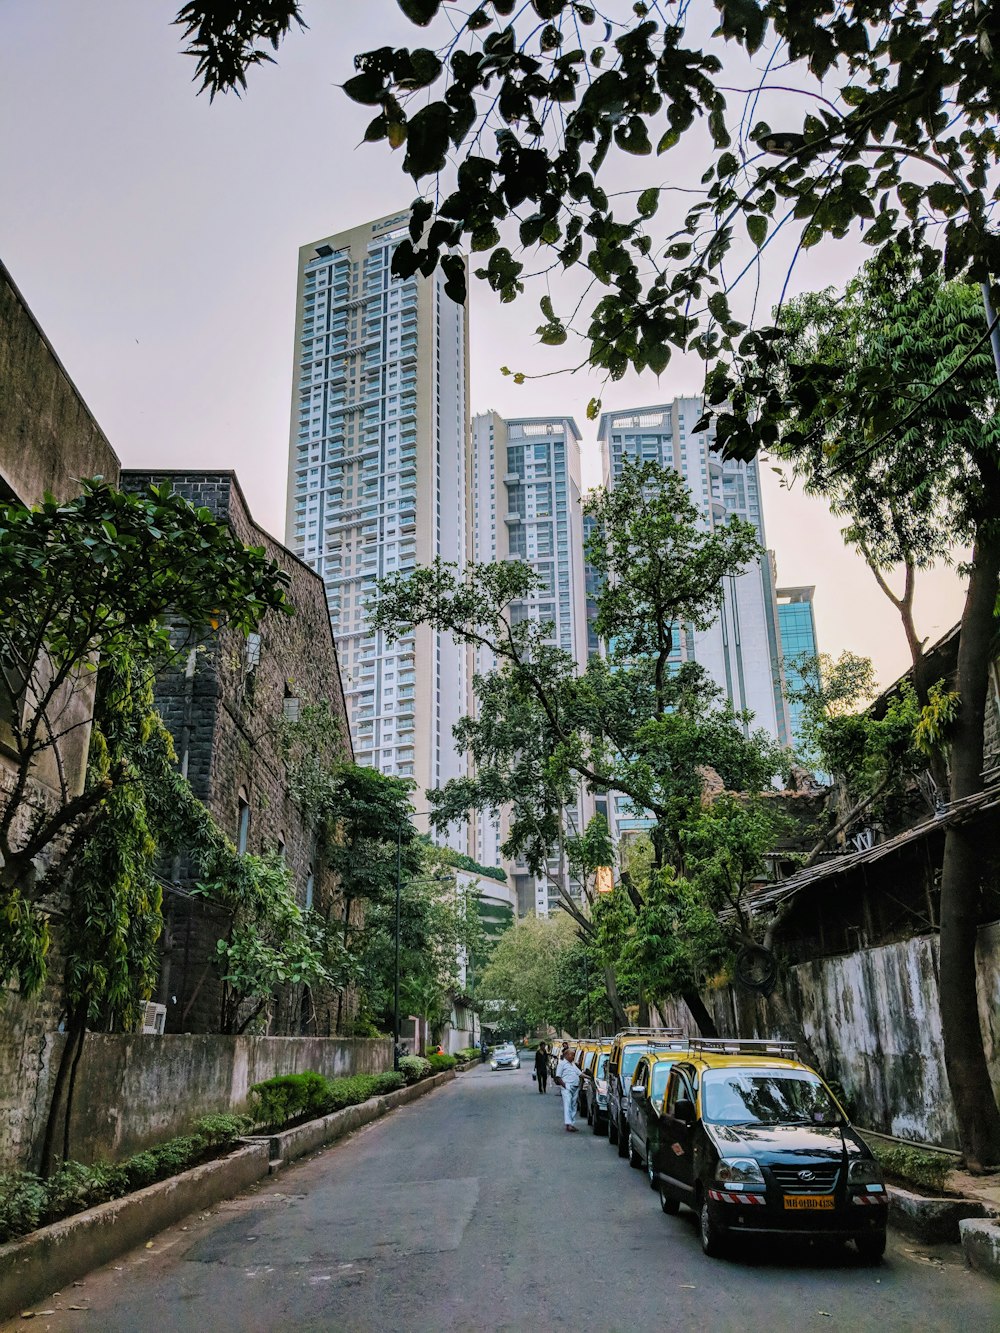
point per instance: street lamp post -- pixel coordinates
(395, 997)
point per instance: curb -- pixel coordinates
(45, 1261)
(931, 1219)
(35, 1266)
(981, 1245)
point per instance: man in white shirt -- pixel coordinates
(568, 1081)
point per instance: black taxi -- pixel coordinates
(627, 1048)
(646, 1097)
(756, 1143)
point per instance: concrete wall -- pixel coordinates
(134, 1091)
(873, 1018)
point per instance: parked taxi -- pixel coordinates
(627, 1048)
(755, 1142)
(649, 1086)
(594, 1087)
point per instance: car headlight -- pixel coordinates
(864, 1171)
(741, 1171)
(494, 1065)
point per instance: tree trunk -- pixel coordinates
(965, 1059)
(55, 1105)
(618, 1013)
(67, 1119)
(700, 1014)
(790, 1026)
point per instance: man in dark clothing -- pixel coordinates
(542, 1066)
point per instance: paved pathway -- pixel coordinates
(472, 1209)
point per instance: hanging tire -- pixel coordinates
(713, 1238)
(670, 1206)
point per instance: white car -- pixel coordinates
(505, 1057)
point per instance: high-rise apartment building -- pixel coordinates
(527, 506)
(740, 651)
(797, 626)
(379, 481)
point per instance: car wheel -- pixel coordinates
(713, 1238)
(634, 1159)
(612, 1129)
(670, 1206)
(871, 1248)
(622, 1140)
(650, 1174)
(597, 1125)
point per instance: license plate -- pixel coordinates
(809, 1201)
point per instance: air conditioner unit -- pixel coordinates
(154, 1020)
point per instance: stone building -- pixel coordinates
(48, 441)
(223, 705)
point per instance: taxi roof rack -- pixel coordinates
(786, 1050)
(674, 1044)
(649, 1032)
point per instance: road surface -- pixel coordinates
(471, 1208)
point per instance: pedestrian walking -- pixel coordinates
(542, 1067)
(568, 1081)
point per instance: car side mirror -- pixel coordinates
(684, 1111)
(638, 1094)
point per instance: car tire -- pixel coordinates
(622, 1140)
(871, 1248)
(670, 1206)
(612, 1129)
(713, 1237)
(596, 1126)
(634, 1159)
(650, 1175)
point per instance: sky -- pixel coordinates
(154, 235)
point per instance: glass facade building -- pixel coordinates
(797, 624)
(379, 482)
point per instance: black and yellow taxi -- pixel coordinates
(646, 1097)
(584, 1049)
(594, 1087)
(627, 1048)
(756, 1143)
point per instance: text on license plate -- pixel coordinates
(808, 1200)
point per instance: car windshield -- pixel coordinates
(766, 1097)
(601, 1069)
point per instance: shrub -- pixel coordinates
(914, 1166)
(469, 1053)
(222, 1131)
(390, 1082)
(22, 1204)
(288, 1096)
(439, 1063)
(414, 1067)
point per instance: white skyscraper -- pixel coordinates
(527, 506)
(740, 651)
(379, 481)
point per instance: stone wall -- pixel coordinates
(873, 1019)
(134, 1091)
(223, 706)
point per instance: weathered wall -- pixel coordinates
(873, 1018)
(224, 711)
(134, 1091)
(48, 437)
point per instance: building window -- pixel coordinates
(243, 822)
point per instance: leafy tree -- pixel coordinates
(625, 725)
(270, 941)
(914, 474)
(511, 123)
(89, 586)
(520, 988)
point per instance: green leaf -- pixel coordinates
(648, 203)
(420, 11)
(757, 227)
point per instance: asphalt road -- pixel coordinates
(473, 1209)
